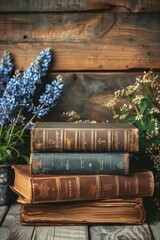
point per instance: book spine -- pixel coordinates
(91, 187)
(79, 163)
(84, 140)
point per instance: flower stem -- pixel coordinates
(12, 128)
(1, 130)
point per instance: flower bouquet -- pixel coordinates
(139, 104)
(24, 97)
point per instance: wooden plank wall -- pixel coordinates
(99, 45)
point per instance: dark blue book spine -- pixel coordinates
(79, 163)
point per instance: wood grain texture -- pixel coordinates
(84, 41)
(3, 211)
(61, 233)
(12, 230)
(80, 5)
(130, 232)
(154, 227)
(87, 93)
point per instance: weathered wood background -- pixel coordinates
(99, 46)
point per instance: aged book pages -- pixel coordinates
(54, 188)
(84, 137)
(126, 211)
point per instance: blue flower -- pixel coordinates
(18, 100)
(48, 99)
(6, 68)
(21, 89)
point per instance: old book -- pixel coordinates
(126, 211)
(79, 163)
(84, 137)
(35, 188)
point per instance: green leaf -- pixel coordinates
(8, 152)
(25, 158)
(144, 108)
(131, 120)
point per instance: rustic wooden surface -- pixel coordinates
(99, 46)
(80, 5)
(154, 228)
(11, 229)
(83, 41)
(3, 212)
(88, 93)
(129, 232)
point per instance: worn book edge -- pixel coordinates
(120, 211)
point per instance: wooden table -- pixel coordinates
(11, 229)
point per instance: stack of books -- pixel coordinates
(80, 173)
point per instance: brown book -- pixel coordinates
(54, 188)
(84, 137)
(126, 211)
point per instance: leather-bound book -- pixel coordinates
(126, 211)
(79, 163)
(84, 137)
(37, 188)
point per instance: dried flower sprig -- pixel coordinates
(73, 116)
(140, 105)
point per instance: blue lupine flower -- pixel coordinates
(48, 99)
(20, 90)
(46, 57)
(17, 107)
(6, 68)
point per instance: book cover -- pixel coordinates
(84, 137)
(79, 163)
(119, 211)
(36, 188)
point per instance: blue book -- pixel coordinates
(79, 163)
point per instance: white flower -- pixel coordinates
(138, 99)
(111, 103)
(154, 110)
(139, 117)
